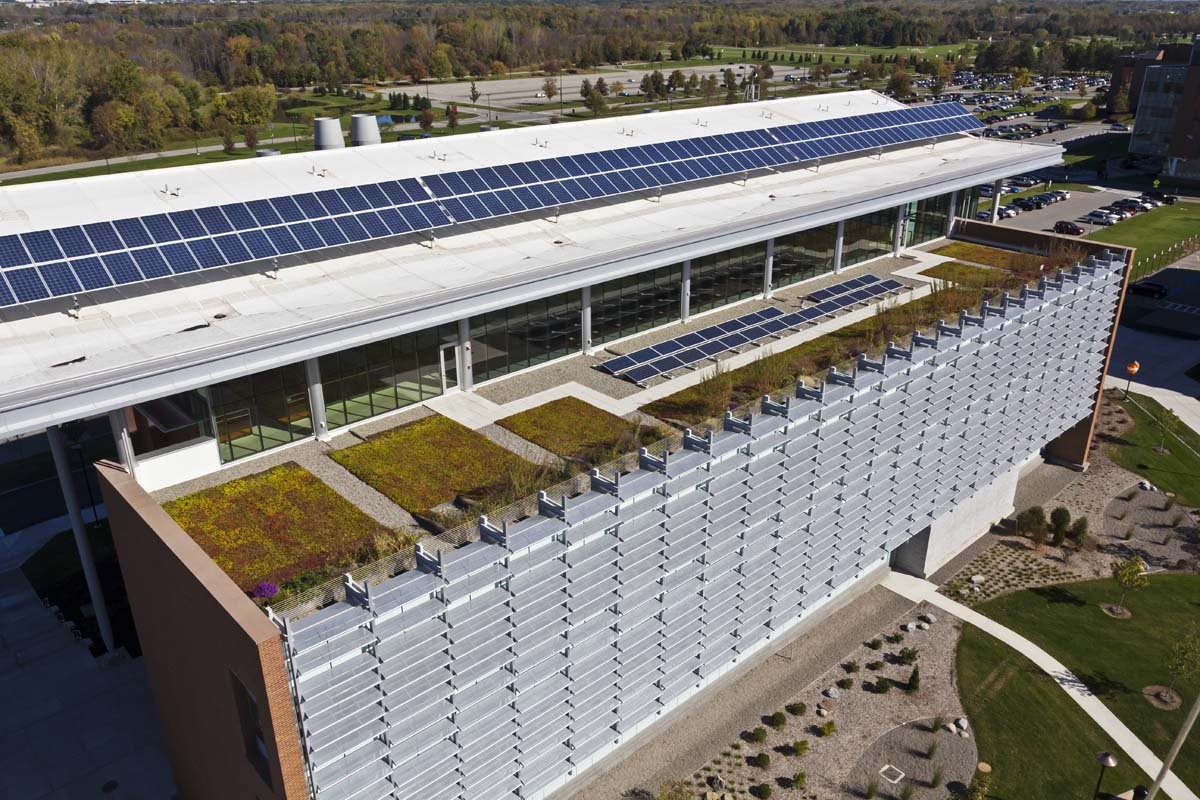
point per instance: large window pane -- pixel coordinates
(262, 411)
(927, 219)
(525, 335)
(724, 278)
(635, 303)
(803, 255)
(868, 236)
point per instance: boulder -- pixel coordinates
(961, 723)
(928, 618)
(821, 712)
(923, 626)
(977, 579)
(832, 693)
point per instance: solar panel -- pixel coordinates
(26, 284)
(641, 373)
(103, 236)
(12, 252)
(151, 262)
(133, 233)
(6, 295)
(41, 246)
(160, 228)
(121, 267)
(59, 279)
(91, 273)
(188, 224)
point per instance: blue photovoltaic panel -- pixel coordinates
(329, 231)
(92, 273)
(306, 235)
(310, 205)
(74, 242)
(207, 255)
(12, 252)
(188, 224)
(354, 199)
(259, 245)
(59, 279)
(6, 295)
(133, 233)
(178, 257)
(214, 220)
(374, 225)
(121, 267)
(283, 240)
(160, 228)
(41, 246)
(333, 202)
(375, 196)
(103, 237)
(256, 213)
(352, 229)
(26, 284)
(233, 249)
(151, 262)
(287, 209)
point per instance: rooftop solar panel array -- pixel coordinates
(64, 261)
(692, 348)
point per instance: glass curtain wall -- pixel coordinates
(29, 488)
(803, 255)
(524, 335)
(727, 277)
(868, 236)
(168, 421)
(261, 411)
(366, 381)
(635, 303)
(926, 220)
(971, 204)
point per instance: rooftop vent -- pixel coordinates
(327, 133)
(364, 129)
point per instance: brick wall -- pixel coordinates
(198, 632)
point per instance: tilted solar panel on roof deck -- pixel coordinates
(641, 373)
(26, 284)
(59, 278)
(91, 273)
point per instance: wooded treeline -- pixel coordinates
(119, 78)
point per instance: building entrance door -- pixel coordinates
(449, 367)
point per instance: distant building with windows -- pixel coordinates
(1167, 124)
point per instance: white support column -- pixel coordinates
(585, 320)
(316, 399)
(838, 243)
(685, 292)
(768, 269)
(996, 187)
(120, 431)
(953, 212)
(58, 449)
(898, 233)
(466, 372)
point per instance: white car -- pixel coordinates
(1007, 212)
(1102, 218)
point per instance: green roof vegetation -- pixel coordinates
(1116, 658)
(574, 429)
(436, 460)
(1039, 742)
(1026, 266)
(1173, 468)
(283, 526)
(975, 276)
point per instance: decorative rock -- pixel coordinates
(961, 723)
(923, 626)
(832, 693)
(977, 579)
(1144, 485)
(964, 734)
(928, 618)
(717, 782)
(948, 728)
(821, 712)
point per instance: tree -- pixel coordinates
(1079, 530)
(439, 63)
(1183, 663)
(1086, 112)
(914, 681)
(617, 87)
(708, 88)
(550, 88)
(246, 105)
(475, 93)
(1060, 523)
(595, 102)
(1032, 522)
(1019, 80)
(1130, 575)
(452, 117)
(602, 86)
(250, 137)
(900, 84)
(425, 120)
(228, 143)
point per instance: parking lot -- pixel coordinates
(1073, 209)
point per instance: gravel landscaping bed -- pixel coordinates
(861, 714)
(932, 753)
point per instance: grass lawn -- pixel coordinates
(986, 202)
(284, 526)
(1116, 658)
(1041, 745)
(433, 460)
(1177, 470)
(1154, 230)
(1091, 153)
(55, 573)
(575, 429)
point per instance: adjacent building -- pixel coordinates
(1168, 117)
(207, 315)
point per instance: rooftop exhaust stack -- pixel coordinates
(364, 129)
(327, 133)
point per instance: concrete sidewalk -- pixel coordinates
(919, 590)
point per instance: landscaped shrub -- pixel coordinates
(796, 709)
(799, 780)
(761, 760)
(762, 791)
(937, 779)
(828, 728)
(907, 792)
(883, 685)
(777, 720)
(894, 638)
(908, 655)
(874, 665)
(799, 747)
(931, 751)
(1079, 529)
(872, 789)
(914, 681)
(850, 666)
(737, 745)
(875, 644)
(845, 683)
(1032, 523)
(757, 735)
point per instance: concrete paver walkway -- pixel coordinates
(918, 590)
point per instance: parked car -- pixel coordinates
(1135, 203)
(1061, 194)
(1149, 289)
(1118, 126)
(1099, 217)
(983, 216)
(1154, 201)
(1169, 199)
(1048, 197)
(1024, 180)
(1025, 204)
(1068, 227)
(1117, 211)
(1007, 212)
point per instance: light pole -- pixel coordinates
(1106, 760)
(1176, 746)
(1131, 369)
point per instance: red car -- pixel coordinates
(1068, 227)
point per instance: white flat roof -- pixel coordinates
(141, 341)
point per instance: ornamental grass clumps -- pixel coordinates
(280, 531)
(571, 428)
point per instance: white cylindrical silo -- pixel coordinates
(364, 129)
(327, 133)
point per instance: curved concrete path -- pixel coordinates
(918, 590)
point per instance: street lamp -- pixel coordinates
(1106, 760)
(1131, 369)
